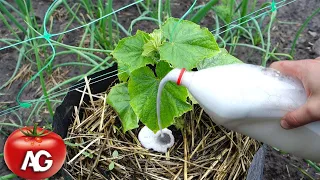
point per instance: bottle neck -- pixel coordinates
(180, 77)
(186, 79)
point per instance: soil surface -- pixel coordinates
(289, 19)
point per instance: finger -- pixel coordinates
(304, 115)
(291, 68)
(318, 58)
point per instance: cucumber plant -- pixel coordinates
(144, 59)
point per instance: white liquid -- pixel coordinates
(251, 100)
(161, 86)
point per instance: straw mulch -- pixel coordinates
(202, 149)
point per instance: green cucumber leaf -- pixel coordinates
(129, 51)
(143, 88)
(223, 58)
(119, 99)
(123, 72)
(163, 68)
(189, 44)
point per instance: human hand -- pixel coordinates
(308, 72)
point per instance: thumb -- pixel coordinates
(297, 118)
(291, 68)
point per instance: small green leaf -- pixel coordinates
(189, 44)
(119, 99)
(157, 38)
(129, 51)
(115, 154)
(86, 154)
(150, 48)
(111, 166)
(143, 88)
(223, 58)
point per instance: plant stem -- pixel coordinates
(317, 168)
(21, 53)
(39, 66)
(266, 57)
(244, 6)
(168, 8)
(109, 18)
(9, 176)
(10, 124)
(42, 82)
(159, 14)
(13, 19)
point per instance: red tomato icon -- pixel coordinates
(34, 152)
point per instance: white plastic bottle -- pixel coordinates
(251, 100)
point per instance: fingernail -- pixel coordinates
(284, 124)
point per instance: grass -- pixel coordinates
(236, 24)
(200, 14)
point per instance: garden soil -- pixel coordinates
(289, 19)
